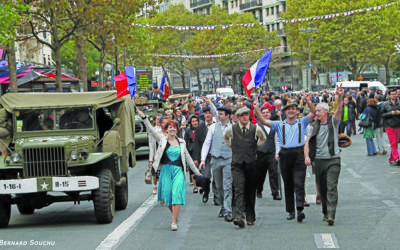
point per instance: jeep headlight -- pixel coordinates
(15, 157)
(74, 155)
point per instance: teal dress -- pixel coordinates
(172, 184)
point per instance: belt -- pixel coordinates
(292, 149)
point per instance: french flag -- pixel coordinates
(256, 74)
(126, 82)
(164, 86)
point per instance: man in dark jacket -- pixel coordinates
(277, 113)
(390, 111)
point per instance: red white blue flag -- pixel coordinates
(256, 74)
(164, 86)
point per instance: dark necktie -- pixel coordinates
(244, 130)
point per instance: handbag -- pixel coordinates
(366, 121)
(147, 177)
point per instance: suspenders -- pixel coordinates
(284, 133)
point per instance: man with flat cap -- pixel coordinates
(156, 94)
(291, 133)
(221, 158)
(244, 138)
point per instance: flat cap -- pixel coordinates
(225, 108)
(243, 111)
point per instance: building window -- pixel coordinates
(267, 9)
(272, 27)
(236, 3)
(277, 10)
(272, 10)
(268, 28)
(284, 7)
(232, 4)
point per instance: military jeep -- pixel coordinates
(67, 147)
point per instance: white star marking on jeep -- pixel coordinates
(44, 185)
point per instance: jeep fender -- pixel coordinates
(112, 142)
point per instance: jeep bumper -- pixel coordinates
(49, 184)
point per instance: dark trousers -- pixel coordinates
(327, 174)
(267, 163)
(293, 171)
(244, 177)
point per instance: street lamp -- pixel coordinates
(309, 30)
(108, 68)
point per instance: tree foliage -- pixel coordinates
(348, 42)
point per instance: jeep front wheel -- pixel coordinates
(104, 197)
(25, 206)
(5, 210)
(121, 194)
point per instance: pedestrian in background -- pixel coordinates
(391, 116)
(369, 132)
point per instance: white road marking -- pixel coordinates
(353, 173)
(390, 203)
(126, 227)
(370, 188)
(326, 240)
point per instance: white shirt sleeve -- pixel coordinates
(277, 144)
(207, 142)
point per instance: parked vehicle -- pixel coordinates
(77, 144)
(358, 85)
(224, 92)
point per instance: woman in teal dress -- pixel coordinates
(170, 160)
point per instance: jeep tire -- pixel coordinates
(25, 206)
(5, 210)
(104, 197)
(121, 195)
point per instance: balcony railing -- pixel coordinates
(251, 4)
(199, 3)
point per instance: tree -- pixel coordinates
(343, 42)
(10, 20)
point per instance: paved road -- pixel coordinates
(368, 216)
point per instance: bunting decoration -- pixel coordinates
(214, 56)
(250, 25)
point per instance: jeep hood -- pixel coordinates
(53, 140)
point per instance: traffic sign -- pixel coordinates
(360, 78)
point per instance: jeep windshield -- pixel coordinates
(53, 119)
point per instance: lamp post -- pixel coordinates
(309, 30)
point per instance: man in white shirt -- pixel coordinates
(221, 159)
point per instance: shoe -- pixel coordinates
(154, 190)
(195, 190)
(216, 203)
(318, 200)
(277, 197)
(384, 152)
(392, 163)
(205, 198)
(259, 195)
(201, 191)
(300, 217)
(398, 162)
(375, 153)
(239, 222)
(228, 218)
(330, 221)
(325, 218)
(306, 204)
(221, 213)
(290, 216)
(250, 223)
(174, 227)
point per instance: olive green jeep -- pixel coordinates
(67, 147)
(150, 108)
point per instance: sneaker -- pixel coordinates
(174, 227)
(384, 152)
(331, 221)
(392, 163)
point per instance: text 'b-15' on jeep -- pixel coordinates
(80, 144)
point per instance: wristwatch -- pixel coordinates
(144, 117)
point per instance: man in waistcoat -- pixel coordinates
(221, 158)
(291, 133)
(244, 138)
(266, 161)
(322, 149)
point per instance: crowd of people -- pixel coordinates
(230, 144)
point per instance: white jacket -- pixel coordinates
(162, 143)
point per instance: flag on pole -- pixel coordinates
(256, 74)
(126, 82)
(164, 86)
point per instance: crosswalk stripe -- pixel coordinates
(326, 240)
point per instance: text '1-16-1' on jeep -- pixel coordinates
(79, 144)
